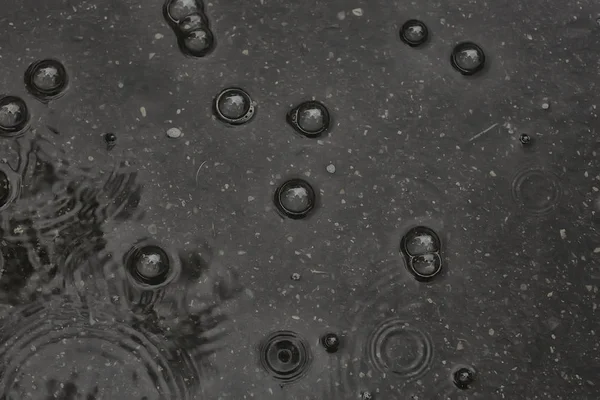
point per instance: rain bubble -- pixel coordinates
(234, 106)
(468, 58)
(525, 139)
(179, 9)
(295, 198)
(331, 342)
(414, 33)
(198, 43)
(310, 118)
(14, 116)
(426, 266)
(192, 22)
(285, 356)
(150, 265)
(420, 240)
(46, 79)
(111, 140)
(463, 377)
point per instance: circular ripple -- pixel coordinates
(414, 33)
(285, 356)
(179, 9)
(295, 198)
(234, 106)
(14, 116)
(149, 266)
(54, 348)
(420, 240)
(536, 190)
(398, 348)
(46, 79)
(198, 43)
(310, 119)
(468, 58)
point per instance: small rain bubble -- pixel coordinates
(468, 58)
(525, 139)
(426, 266)
(295, 276)
(110, 138)
(310, 118)
(14, 116)
(198, 43)
(149, 265)
(46, 79)
(179, 9)
(463, 378)
(295, 198)
(331, 342)
(420, 240)
(192, 22)
(234, 106)
(414, 33)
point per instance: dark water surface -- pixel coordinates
(299, 200)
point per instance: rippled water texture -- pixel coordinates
(78, 321)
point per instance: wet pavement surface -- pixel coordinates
(279, 200)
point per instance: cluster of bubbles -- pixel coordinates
(191, 26)
(421, 248)
(466, 57)
(287, 357)
(294, 198)
(45, 80)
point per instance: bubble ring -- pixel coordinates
(248, 114)
(285, 356)
(523, 177)
(393, 327)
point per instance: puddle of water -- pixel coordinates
(77, 319)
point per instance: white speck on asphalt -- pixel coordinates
(331, 169)
(174, 133)
(358, 12)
